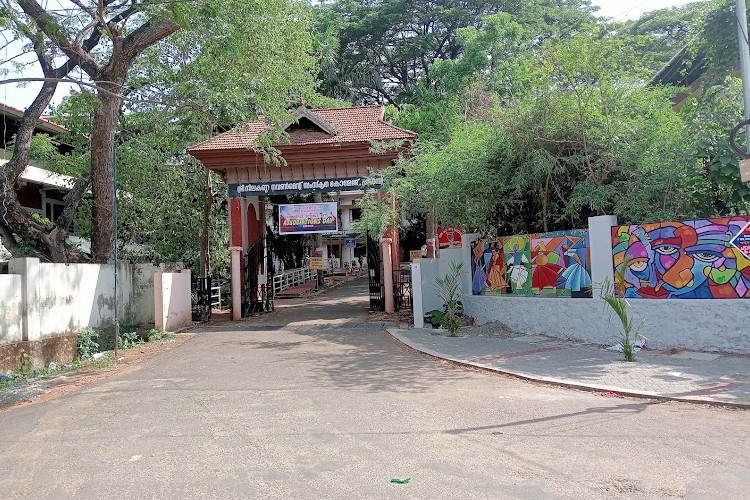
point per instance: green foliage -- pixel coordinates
(717, 40)
(660, 34)
(387, 49)
(378, 211)
(709, 117)
(156, 335)
(449, 292)
(25, 368)
(436, 317)
(88, 342)
(129, 339)
(552, 155)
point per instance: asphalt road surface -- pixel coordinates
(309, 402)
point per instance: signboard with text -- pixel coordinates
(304, 187)
(316, 263)
(308, 218)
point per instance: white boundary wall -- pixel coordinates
(42, 300)
(11, 315)
(694, 324)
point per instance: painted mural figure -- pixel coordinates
(575, 276)
(558, 265)
(518, 267)
(479, 278)
(546, 273)
(496, 274)
(683, 260)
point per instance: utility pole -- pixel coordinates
(318, 198)
(117, 263)
(742, 34)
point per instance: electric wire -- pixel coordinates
(631, 9)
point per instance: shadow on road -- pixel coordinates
(623, 409)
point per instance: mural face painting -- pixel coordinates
(537, 265)
(695, 259)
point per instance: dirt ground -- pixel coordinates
(38, 390)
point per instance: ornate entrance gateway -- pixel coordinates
(323, 151)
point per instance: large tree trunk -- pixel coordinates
(102, 173)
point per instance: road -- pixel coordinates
(309, 402)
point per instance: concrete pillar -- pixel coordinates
(29, 269)
(235, 222)
(416, 294)
(385, 245)
(346, 219)
(172, 304)
(347, 253)
(236, 275)
(600, 249)
(466, 257)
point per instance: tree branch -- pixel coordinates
(52, 29)
(145, 36)
(72, 199)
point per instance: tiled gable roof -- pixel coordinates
(42, 123)
(356, 124)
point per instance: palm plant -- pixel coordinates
(449, 291)
(621, 308)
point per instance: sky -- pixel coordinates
(621, 10)
(22, 96)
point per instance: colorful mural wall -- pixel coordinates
(694, 259)
(553, 264)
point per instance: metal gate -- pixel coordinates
(375, 275)
(258, 285)
(200, 297)
(402, 289)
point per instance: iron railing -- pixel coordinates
(293, 277)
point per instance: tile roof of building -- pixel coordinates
(356, 124)
(42, 123)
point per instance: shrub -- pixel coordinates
(88, 342)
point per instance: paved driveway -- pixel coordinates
(310, 402)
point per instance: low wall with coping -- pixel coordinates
(717, 325)
(44, 305)
(701, 325)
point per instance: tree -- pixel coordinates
(660, 34)
(124, 50)
(583, 137)
(386, 49)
